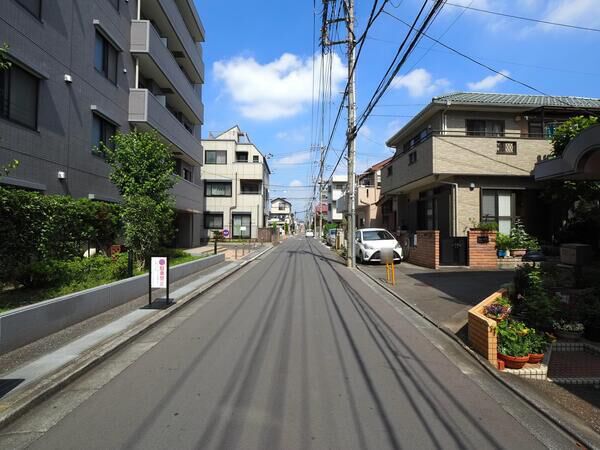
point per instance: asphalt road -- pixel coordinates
(298, 352)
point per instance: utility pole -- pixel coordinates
(321, 195)
(351, 131)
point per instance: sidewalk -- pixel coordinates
(31, 367)
(443, 295)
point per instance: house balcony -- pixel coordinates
(458, 153)
(156, 62)
(183, 34)
(147, 112)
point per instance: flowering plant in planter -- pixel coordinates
(570, 327)
(496, 311)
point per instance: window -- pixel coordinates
(506, 148)
(217, 189)
(498, 206)
(485, 127)
(215, 157)
(412, 158)
(389, 171)
(242, 224)
(187, 174)
(102, 132)
(115, 3)
(250, 187)
(422, 136)
(377, 235)
(19, 96)
(105, 58)
(282, 207)
(33, 6)
(213, 221)
(255, 159)
(241, 156)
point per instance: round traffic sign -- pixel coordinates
(226, 233)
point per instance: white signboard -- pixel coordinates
(158, 265)
(242, 228)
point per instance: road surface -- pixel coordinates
(295, 352)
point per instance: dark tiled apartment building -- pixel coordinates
(83, 70)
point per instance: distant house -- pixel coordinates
(281, 212)
(335, 190)
(235, 177)
(468, 158)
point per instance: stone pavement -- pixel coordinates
(443, 295)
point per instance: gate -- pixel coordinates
(453, 251)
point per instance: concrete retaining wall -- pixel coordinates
(30, 323)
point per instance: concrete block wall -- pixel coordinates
(482, 330)
(427, 251)
(30, 323)
(482, 255)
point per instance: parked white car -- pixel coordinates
(309, 233)
(370, 241)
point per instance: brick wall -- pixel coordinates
(482, 330)
(427, 251)
(482, 254)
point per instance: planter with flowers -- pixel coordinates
(520, 240)
(513, 343)
(568, 330)
(499, 310)
(503, 245)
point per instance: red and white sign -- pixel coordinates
(159, 272)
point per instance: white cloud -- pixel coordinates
(278, 89)
(296, 183)
(419, 82)
(297, 158)
(295, 136)
(572, 12)
(489, 82)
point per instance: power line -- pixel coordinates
(529, 19)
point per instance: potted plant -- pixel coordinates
(537, 347)
(568, 330)
(503, 244)
(520, 240)
(513, 344)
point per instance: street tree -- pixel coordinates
(142, 169)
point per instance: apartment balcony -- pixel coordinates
(147, 112)
(158, 63)
(188, 196)
(184, 33)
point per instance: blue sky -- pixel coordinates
(259, 59)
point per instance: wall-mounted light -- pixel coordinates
(61, 175)
(68, 78)
(471, 186)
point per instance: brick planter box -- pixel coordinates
(482, 330)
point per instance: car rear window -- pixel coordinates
(377, 235)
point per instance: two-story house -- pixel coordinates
(235, 176)
(281, 211)
(82, 71)
(335, 190)
(468, 158)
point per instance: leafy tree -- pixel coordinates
(566, 131)
(142, 169)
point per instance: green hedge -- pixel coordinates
(37, 228)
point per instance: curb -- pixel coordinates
(535, 404)
(25, 401)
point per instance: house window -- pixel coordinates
(213, 221)
(217, 189)
(105, 58)
(485, 127)
(498, 206)
(19, 96)
(241, 157)
(422, 136)
(115, 3)
(389, 171)
(412, 158)
(187, 174)
(33, 6)
(282, 207)
(242, 224)
(255, 158)
(102, 133)
(250, 187)
(215, 157)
